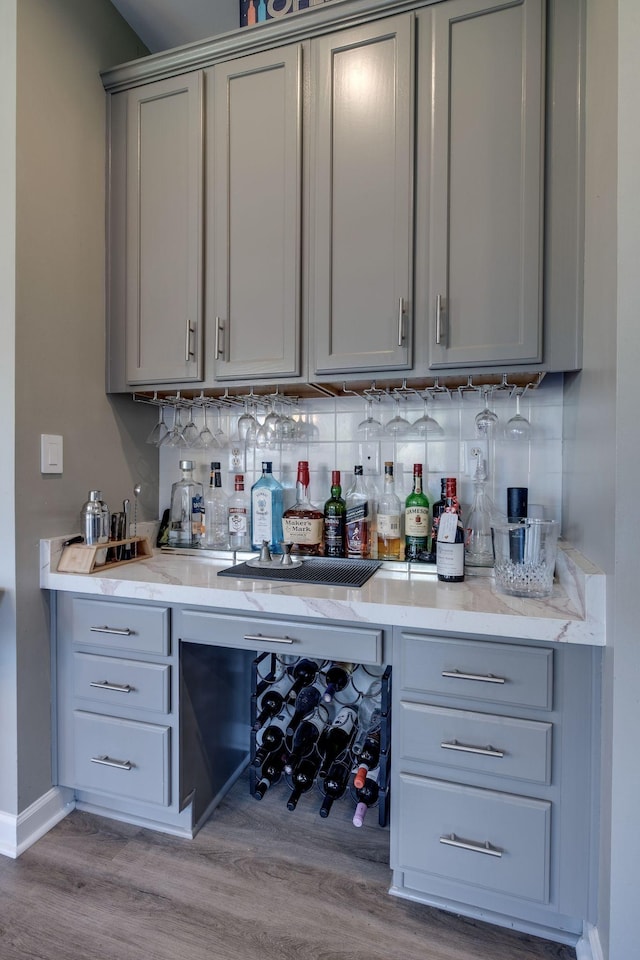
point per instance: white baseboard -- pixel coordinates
(18, 832)
(588, 946)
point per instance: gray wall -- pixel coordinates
(58, 362)
(602, 455)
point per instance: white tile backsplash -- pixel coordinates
(332, 443)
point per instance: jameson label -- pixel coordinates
(306, 530)
(416, 521)
(389, 525)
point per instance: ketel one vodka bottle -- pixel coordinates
(357, 517)
(266, 510)
(187, 509)
(302, 524)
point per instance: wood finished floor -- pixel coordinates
(257, 883)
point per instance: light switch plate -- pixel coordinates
(50, 453)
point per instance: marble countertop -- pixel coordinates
(575, 613)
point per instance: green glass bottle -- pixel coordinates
(334, 518)
(416, 519)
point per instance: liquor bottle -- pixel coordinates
(273, 699)
(337, 737)
(302, 778)
(266, 510)
(273, 738)
(272, 770)
(334, 785)
(438, 507)
(239, 516)
(303, 523)
(388, 518)
(366, 796)
(306, 737)
(334, 519)
(416, 519)
(337, 677)
(450, 551)
(357, 517)
(215, 511)
(479, 543)
(307, 700)
(368, 758)
(187, 509)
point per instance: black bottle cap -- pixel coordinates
(517, 503)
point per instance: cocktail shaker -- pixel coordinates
(94, 523)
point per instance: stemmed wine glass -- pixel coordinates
(518, 427)
(175, 437)
(205, 437)
(160, 430)
(398, 426)
(486, 419)
(426, 426)
(247, 424)
(369, 428)
(190, 432)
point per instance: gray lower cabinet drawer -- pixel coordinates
(469, 669)
(121, 626)
(121, 757)
(117, 682)
(479, 742)
(495, 841)
(357, 644)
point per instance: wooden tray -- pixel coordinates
(81, 558)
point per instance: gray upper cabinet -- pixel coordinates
(254, 215)
(360, 307)
(163, 260)
(479, 181)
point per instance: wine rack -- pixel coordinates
(267, 670)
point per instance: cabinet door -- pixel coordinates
(164, 231)
(256, 216)
(361, 203)
(480, 157)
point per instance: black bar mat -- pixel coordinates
(320, 570)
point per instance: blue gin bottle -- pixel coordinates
(266, 510)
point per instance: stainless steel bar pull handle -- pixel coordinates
(476, 847)
(105, 685)
(251, 637)
(484, 678)
(440, 307)
(401, 321)
(487, 751)
(106, 761)
(188, 352)
(124, 632)
(216, 349)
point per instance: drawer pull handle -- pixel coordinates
(474, 846)
(487, 751)
(250, 637)
(105, 685)
(109, 762)
(459, 675)
(119, 632)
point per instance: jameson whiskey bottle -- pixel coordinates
(334, 519)
(416, 519)
(302, 524)
(357, 517)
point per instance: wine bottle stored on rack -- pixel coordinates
(273, 699)
(334, 785)
(271, 772)
(306, 701)
(272, 738)
(368, 758)
(302, 778)
(366, 796)
(306, 737)
(336, 677)
(337, 737)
